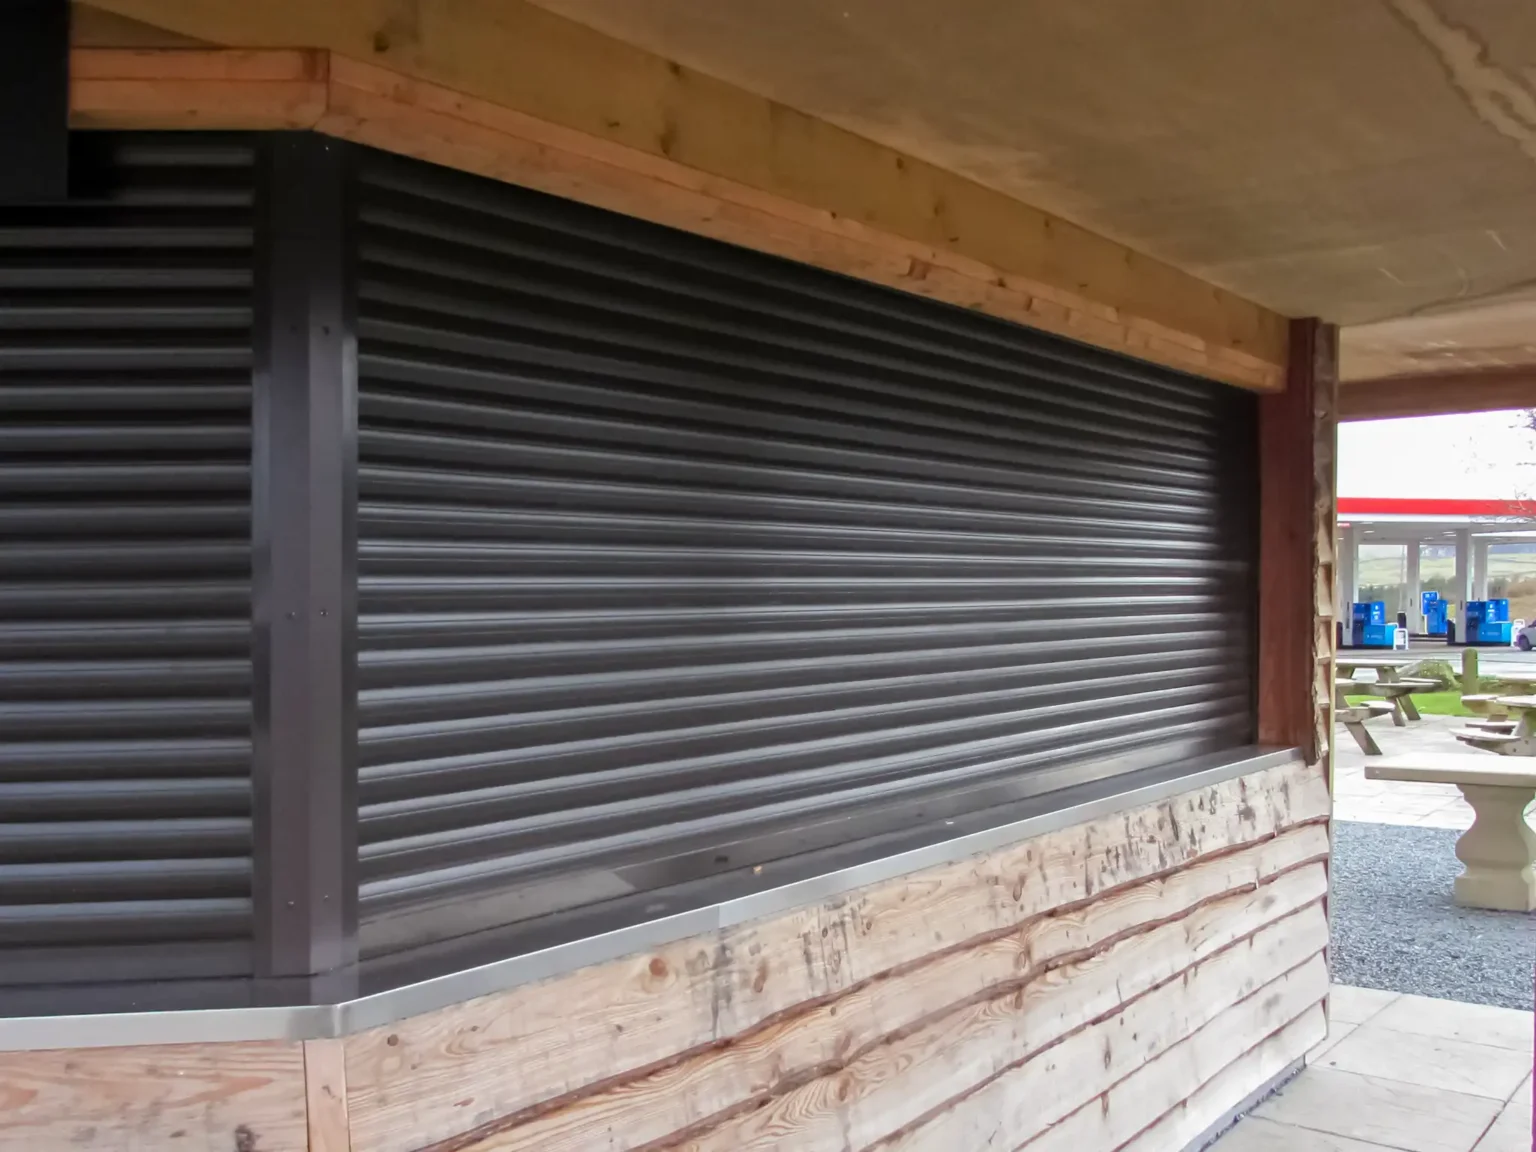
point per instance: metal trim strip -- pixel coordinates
(309, 1022)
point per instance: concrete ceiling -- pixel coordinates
(1372, 162)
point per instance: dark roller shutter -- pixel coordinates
(125, 566)
(669, 546)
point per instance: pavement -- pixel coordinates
(1401, 1072)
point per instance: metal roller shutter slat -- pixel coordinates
(666, 545)
(657, 259)
(125, 573)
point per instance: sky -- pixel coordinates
(1483, 455)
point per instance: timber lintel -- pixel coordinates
(261, 89)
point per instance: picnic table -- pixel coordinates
(1499, 850)
(1354, 716)
(1398, 692)
(1389, 682)
(1515, 736)
(1384, 666)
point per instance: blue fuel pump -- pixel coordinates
(1435, 610)
(1368, 627)
(1487, 622)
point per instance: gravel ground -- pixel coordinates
(1395, 927)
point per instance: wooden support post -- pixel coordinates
(1297, 430)
(1471, 682)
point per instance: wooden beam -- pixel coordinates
(718, 161)
(1295, 493)
(1438, 393)
(196, 88)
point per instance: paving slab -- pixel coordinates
(1430, 1062)
(1393, 1113)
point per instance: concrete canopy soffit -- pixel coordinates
(1371, 162)
(506, 89)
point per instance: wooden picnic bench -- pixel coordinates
(1384, 666)
(1398, 693)
(1354, 716)
(1390, 683)
(1499, 850)
(1515, 736)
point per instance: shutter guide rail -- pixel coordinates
(305, 582)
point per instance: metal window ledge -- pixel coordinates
(694, 910)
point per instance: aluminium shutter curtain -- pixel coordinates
(666, 544)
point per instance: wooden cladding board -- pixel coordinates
(1061, 288)
(984, 994)
(175, 1098)
(1119, 983)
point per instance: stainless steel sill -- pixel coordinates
(733, 899)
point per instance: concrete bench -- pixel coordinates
(1484, 704)
(1499, 850)
(1502, 743)
(1504, 727)
(1517, 738)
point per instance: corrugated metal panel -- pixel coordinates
(665, 545)
(125, 566)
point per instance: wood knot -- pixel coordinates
(659, 968)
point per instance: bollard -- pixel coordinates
(1469, 681)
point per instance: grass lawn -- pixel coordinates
(1430, 703)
